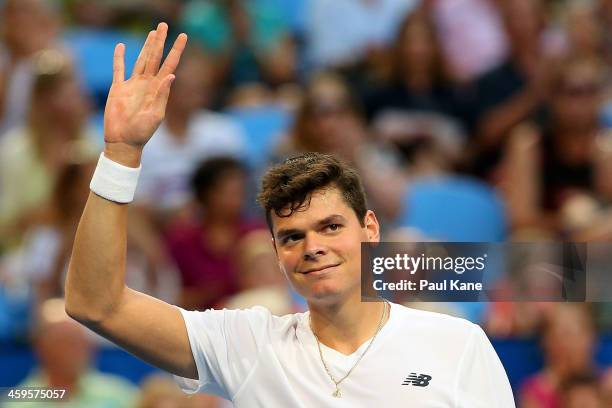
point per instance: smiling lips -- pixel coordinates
(319, 269)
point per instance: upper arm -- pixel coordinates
(151, 330)
(481, 377)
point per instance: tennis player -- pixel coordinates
(342, 353)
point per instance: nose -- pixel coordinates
(313, 247)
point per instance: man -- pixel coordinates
(65, 353)
(343, 353)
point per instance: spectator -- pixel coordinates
(554, 164)
(586, 215)
(32, 156)
(38, 28)
(513, 92)
(161, 392)
(92, 14)
(584, 30)
(604, 14)
(330, 121)
(64, 350)
(189, 134)
(340, 33)
(415, 110)
(419, 76)
(606, 387)
(568, 342)
(581, 392)
(242, 35)
(47, 246)
(260, 279)
(471, 35)
(204, 249)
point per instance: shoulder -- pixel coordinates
(257, 315)
(15, 139)
(433, 325)
(256, 322)
(215, 121)
(16, 149)
(217, 132)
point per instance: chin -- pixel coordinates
(321, 291)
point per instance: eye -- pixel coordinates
(290, 239)
(333, 227)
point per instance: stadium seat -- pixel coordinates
(263, 127)
(93, 51)
(456, 209)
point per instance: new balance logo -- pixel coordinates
(420, 380)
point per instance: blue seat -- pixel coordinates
(93, 51)
(263, 127)
(456, 209)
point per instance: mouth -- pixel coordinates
(319, 270)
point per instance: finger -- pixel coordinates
(157, 49)
(119, 64)
(163, 93)
(141, 62)
(174, 56)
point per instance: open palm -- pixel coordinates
(135, 107)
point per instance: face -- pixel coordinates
(330, 116)
(64, 349)
(227, 197)
(257, 261)
(417, 47)
(194, 87)
(569, 340)
(65, 105)
(578, 97)
(37, 26)
(583, 396)
(319, 247)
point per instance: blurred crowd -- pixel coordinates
(500, 107)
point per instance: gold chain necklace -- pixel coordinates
(337, 393)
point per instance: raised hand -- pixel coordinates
(135, 107)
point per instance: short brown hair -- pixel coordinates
(288, 187)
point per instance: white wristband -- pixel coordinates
(114, 181)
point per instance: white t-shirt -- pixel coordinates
(167, 163)
(419, 359)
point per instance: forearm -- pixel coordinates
(96, 276)
(500, 120)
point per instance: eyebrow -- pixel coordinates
(332, 219)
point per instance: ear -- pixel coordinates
(372, 227)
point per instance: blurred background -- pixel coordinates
(469, 120)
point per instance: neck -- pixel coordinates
(346, 326)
